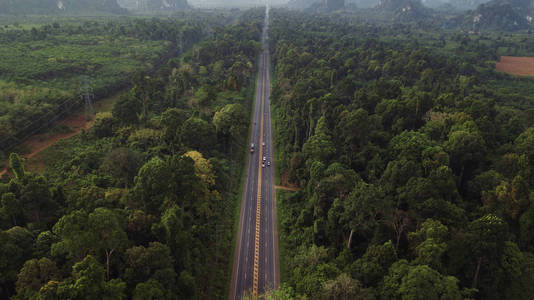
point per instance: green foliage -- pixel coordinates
(319, 147)
(431, 244)
(198, 134)
(418, 282)
(231, 121)
(11, 258)
(43, 69)
(343, 287)
(172, 121)
(122, 164)
(374, 264)
(156, 239)
(88, 282)
(149, 290)
(149, 263)
(412, 156)
(34, 274)
(127, 110)
(12, 208)
(16, 165)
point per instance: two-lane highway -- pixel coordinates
(256, 268)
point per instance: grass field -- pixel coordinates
(61, 61)
(44, 67)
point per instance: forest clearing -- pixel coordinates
(516, 65)
(68, 127)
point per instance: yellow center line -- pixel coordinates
(258, 196)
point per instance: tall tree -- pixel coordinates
(15, 162)
(88, 282)
(108, 232)
(319, 146)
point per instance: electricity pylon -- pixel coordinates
(86, 94)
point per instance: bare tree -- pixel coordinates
(399, 223)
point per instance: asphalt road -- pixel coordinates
(256, 268)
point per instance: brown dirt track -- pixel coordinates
(516, 65)
(286, 188)
(75, 122)
(39, 142)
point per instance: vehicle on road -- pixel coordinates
(268, 164)
(263, 144)
(252, 148)
(263, 165)
(264, 158)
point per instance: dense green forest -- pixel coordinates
(414, 160)
(411, 155)
(43, 67)
(143, 204)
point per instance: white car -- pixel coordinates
(263, 165)
(268, 163)
(264, 158)
(263, 144)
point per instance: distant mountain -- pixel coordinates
(404, 10)
(317, 5)
(467, 4)
(129, 4)
(506, 15)
(361, 3)
(332, 5)
(59, 6)
(455, 5)
(153, 4)
(301, 4)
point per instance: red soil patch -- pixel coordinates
(516, 65)
(40, 142)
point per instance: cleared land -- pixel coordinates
(43, 70)
(516, 65)
(67, 127)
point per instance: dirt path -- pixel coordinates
(75, 122)
(39, 142)
(286, 188)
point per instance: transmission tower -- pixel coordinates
(86, 94)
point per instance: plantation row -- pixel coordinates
(43, 69)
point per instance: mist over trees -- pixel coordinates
(154, 4)
(58, 6)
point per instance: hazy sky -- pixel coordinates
(233, 3)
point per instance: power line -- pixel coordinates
(51, 116)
